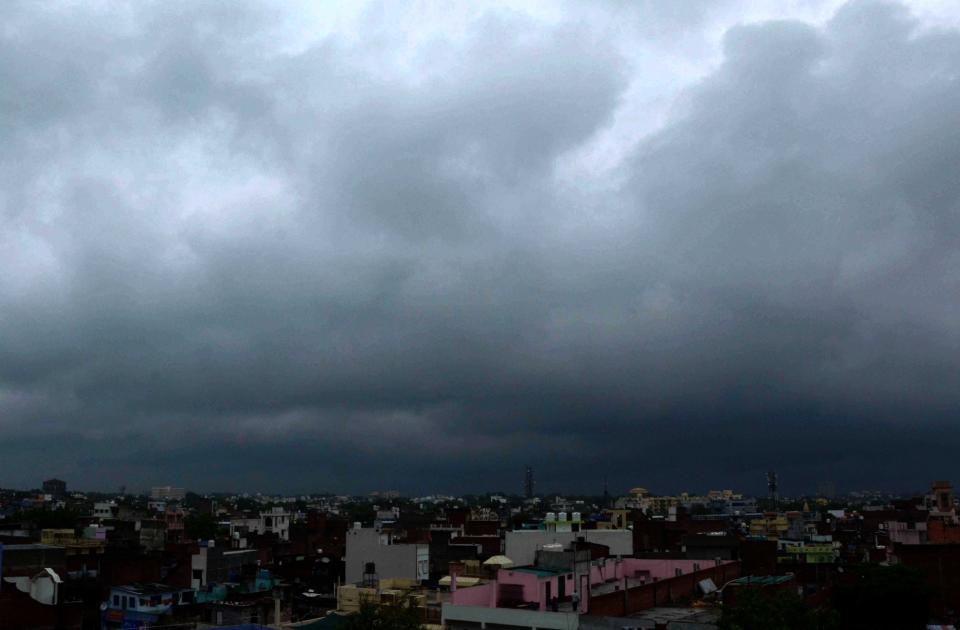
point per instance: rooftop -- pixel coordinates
(662, 616)
(535, 571)
(148, 588)
(31, 547)
(761, 580)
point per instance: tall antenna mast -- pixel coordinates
(772, 492)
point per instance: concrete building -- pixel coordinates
(241, 529)
(562, 522)
(771, 525)
(174, 518)
(55, 487)
(276, 521)
(350, 597)
(141, 605)
(373, 553)
(105, 509)
(82, 553)
(940, 499)
(152, 533)
(167, 493)
(217, 565)
(539, 597)
(30, 559)
(464, 617)
(521, 546)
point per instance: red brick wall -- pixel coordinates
(661, 593)
(940, 532)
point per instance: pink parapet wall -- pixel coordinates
(484, 595)
(534, 586)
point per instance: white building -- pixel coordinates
(521, 545)
(276, 521)
(105, 509)
(369, 546)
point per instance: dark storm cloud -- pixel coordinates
(340, 268)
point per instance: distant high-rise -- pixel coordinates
(167, 493)
(528, 483)
(772, 489)
(55, 487)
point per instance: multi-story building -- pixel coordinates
(556, 596)
(174, 517)
(521, 546)
(81, 553)
(771, 525)
(350, 597)
(55, 487)
(167, 493)
(562, 522)
(216, 565)
(807, 553)
(276, 521)
(719, 501)
(372, 554)
(141, 605)
(105, 509)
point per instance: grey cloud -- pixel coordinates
(221, 250)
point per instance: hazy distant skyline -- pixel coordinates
(289, 247)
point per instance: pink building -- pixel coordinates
(533, 588)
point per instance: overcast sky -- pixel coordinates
(351, 247)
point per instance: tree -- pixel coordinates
(50, 519)
(884, 597)
(756, 610)
(200, 527)
(402, 615)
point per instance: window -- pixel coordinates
(116, 601)
(143, 602)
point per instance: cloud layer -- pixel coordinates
(245, 249)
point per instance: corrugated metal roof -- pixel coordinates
(761, 580)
